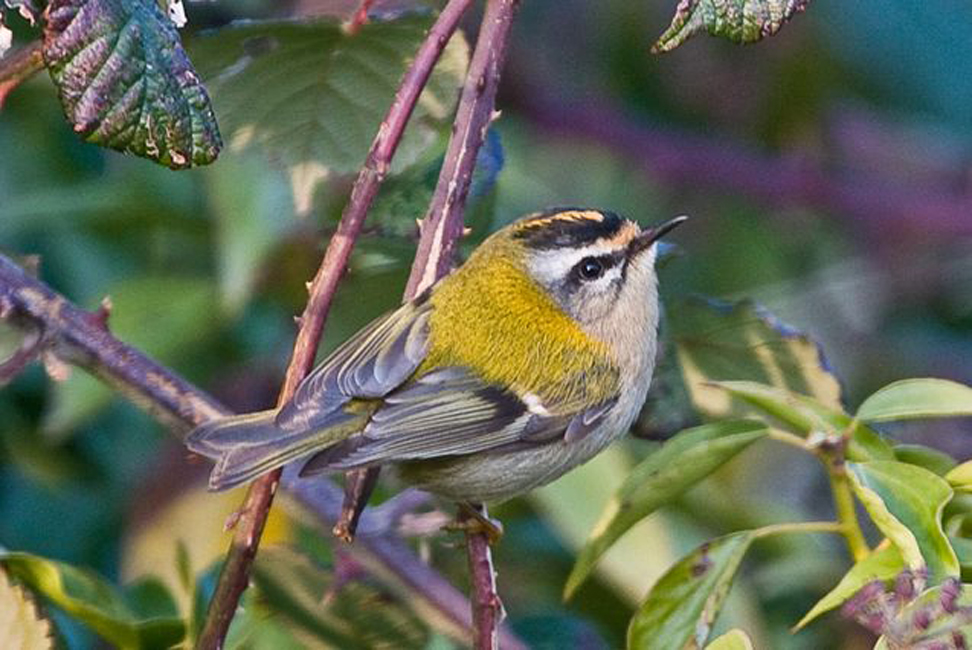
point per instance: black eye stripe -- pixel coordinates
(593, 267)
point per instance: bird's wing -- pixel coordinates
(371, 364)
(451, 412)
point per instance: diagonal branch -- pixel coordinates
(234, 576)
(79, 337)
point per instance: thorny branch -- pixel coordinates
(18, 66)
(234, 576)
(79, 337)
(441, 230)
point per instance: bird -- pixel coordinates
(521, 364)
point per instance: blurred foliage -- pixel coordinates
(205, 268)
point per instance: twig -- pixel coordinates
(19, 66)
(682, 159)
(441, 230)
(77, 337)
(253, 514)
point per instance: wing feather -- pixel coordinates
(371, 364)
(451, 412)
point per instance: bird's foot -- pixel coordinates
(473, 519)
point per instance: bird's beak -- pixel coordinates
(649, 236)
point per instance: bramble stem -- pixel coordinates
(441, 230)
(234, 576)
(18, 66)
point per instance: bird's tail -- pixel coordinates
(246, 446)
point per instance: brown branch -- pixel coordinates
(79, 337)
(234, 576)
(441, 230)
(19, 66)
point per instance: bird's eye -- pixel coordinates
(590, 268)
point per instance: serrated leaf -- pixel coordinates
(92, 600)
(682, 606)
(126, 83)
(21, 626)
(314, 96)
(677, 466)
(906, 502)
(734, 639)
(740, 21)
(719, 341)
(911, 399)
(154, 314)
(881, 564)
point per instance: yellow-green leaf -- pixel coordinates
(92, 600)
(911, 399)
(734, 639)
(906, 503)
(21, 626)
(741, 21)
(960, 477)
(881, 564)
(678, 465)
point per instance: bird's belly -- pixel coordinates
(495, 477)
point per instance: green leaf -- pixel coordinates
(126, 83)
(157, 315)
(21, 626)
(740, 21)
(314, 96)
(906, 503)
(682, 606)
(911, 399)
(719, 341)
(734, 639)
(677, 466)
(960, 477)
(89, 598)
(931, 459)
(881, 564)
(805, 415)
(355, 614)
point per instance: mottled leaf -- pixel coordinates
(734, 639)
(906, 503)
(21, 626)
(314, 96)
(881, 564)
(677, 466)
(682, 606)
(719, 341)
(945, 621)
(126, 83)
(92, 600)
(740, 21)
(912, 399)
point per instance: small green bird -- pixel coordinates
(520, 365)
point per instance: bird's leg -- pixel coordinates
(472, 518)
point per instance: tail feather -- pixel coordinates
(246, 446)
